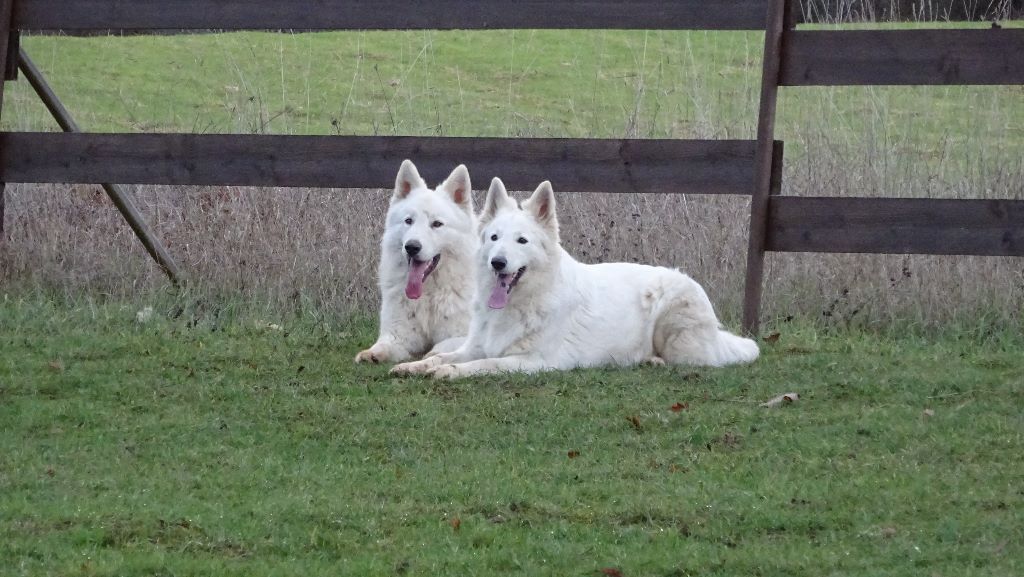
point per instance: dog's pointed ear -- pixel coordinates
(408, 180)
(458, 187)
(497, 200)
(542, 206)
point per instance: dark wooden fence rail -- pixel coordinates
(693, 166)
(791, 58)
(71, 15)
(896, 225)
(891, 57)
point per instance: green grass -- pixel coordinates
(211, 444)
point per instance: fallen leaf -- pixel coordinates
(783, 399)
(635, 421)
(680, 407)
(928, 413)
(574, 454)
(772, 338)
(612, 572)
(455, 522)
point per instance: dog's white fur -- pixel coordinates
(564, 314)
(443, 223)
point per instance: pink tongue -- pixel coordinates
(414, 287)
(499, 296)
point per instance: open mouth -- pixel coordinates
(503, 285)
(419, 270)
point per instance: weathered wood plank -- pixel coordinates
(896, 226)
(72, 15)
(903, 57)
(13, 45)
(667, 166)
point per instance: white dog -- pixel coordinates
(428, 235)
(538, 309)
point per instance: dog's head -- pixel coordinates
(425, 225)
(517, 242)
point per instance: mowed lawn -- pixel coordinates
(212, 444)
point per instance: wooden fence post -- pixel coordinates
(5, 38)
(775, 28)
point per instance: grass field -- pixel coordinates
(215, 445)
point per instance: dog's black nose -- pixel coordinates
(499, 263)
(413, 247)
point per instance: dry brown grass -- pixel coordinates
(316, 250)
(297, 248)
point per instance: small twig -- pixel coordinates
(946, 395)
(387, 101)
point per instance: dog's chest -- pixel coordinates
(510, 333)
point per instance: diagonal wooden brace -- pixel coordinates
(121, 199)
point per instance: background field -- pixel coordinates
(316, 248)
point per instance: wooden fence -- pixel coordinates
(791, 58)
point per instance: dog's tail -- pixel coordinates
(686, 330)
(730, 349)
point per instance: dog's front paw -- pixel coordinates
(655, 361)
(371, 356)
(413, 368)
(446, 372)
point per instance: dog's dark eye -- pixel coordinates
(436, 224)
(494, 237)
(522, 240)
(408, 220)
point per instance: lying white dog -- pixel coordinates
(538, 309)
(428, 234)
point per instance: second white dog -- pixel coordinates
(537, 308)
